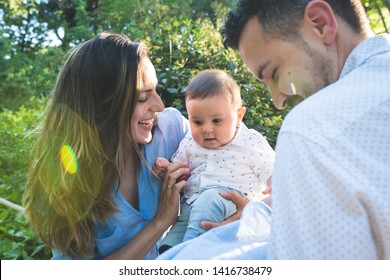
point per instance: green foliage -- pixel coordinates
(17, 242)
(379, 14)
(14, 150)
(24, 76)
(20, 22)
(181, 47)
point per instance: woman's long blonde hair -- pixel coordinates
(81, 142)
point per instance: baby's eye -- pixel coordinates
(217, 121)
(197, 122)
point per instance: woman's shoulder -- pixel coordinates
(169, 111)
(171, 117)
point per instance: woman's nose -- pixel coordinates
(158, 105)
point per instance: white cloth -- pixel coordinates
(244, 164)
(241, 240)
(331, 186)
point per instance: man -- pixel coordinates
(331, 190)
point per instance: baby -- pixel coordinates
(221, 153)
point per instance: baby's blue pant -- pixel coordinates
(208, 206)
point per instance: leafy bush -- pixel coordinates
(26, 77)
(182, 47)
(17, 242)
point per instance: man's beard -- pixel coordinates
(321, 70)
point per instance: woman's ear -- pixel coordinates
(320, 18)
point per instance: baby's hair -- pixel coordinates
(213, 82)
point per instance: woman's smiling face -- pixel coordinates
(149, 104)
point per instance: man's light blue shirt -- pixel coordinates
(331, 187)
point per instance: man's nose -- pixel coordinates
(279, 99)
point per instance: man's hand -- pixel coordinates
(238, 200)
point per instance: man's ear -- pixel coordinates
(240, 114)
(320, 17)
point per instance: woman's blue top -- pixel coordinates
(127, 222)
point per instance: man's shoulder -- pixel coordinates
(316, 118)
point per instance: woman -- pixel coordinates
(90, 190)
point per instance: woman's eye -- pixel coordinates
(142, 98)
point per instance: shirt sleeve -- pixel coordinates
(182, 153)
(262, 156)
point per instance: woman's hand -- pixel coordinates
(167, 211)
(166, 215)
(168, 208)
(238, 200)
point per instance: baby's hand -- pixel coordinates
(268, 189)
(160, 166)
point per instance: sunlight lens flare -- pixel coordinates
(293, 88)
(68, 159)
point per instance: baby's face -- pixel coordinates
(213, 120)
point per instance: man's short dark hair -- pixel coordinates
(282, 18)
